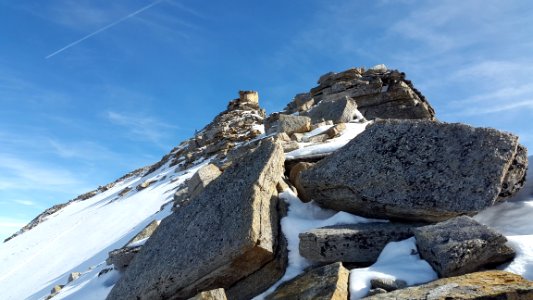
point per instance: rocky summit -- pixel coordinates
(355, 189)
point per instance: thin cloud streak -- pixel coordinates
(104, 28)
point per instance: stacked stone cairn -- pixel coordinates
(224, 238)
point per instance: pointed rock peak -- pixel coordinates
(247, 100)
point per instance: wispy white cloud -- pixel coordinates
(23, 173)
(26, 202)
(102, 29)
(142, 127)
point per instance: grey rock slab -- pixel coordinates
(287, 123)
(121, 258)
(340, 110)
(146, 232)
(414, 170)
(202, 178)
(459, 246)
(481, 285)
(328, 282)
(388, 285)
(224, 235)
(354, 243)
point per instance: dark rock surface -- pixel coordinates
(482, 285)
(459, 246)
(226, 234)
(355, 243)
(416, 170)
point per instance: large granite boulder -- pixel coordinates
(481, 285)
(460, 246)
(227, 233)
(353, 243)
(322, 283)
(418, 170)
(289, 124)
(340, 110)
(202, 178)
(376, 93)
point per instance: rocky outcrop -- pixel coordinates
(229, 232)
(217, 294)
(375, 93)
(294, 177)
(355, 243)
(387, 285)
(416, 170)
(202, 178)
(461, 245)
(481, 285)
(322, 283)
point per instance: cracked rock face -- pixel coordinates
(375, 93)
(418, 170)
(461, 245)
(227, 233)
(481, 285)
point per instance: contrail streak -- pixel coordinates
(105, 28)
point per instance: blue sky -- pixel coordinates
(147, 73)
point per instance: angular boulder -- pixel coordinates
(461, 245)
(481, 285)
(217, 294)
(354, 243)
(121, 258)
(327, 282)
(340, 110)
(202, 178)
(287, 123)
(417, 170)
(227, 233)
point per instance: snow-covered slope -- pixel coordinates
(79, 237)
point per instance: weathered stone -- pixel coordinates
(282, 136)
(387, 285)
(327, 282)
(121, 258)
(414, 169)
(458, 246)
(290, 146)
(336, 130)
(57, 288)
(73, 276)
(249, 96)
(145, 184)
(319, 138)
(294, 177)
(516, 174)
(202, 178)
(378, 93)
(355, 243)
(229, 232)
(264, 278)
(481, 285)
(146, 232)
(287, 123)
(377, 291)
(181, 197)
(340, 110)
(217, 294)
(297, 136)
(124, 191)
